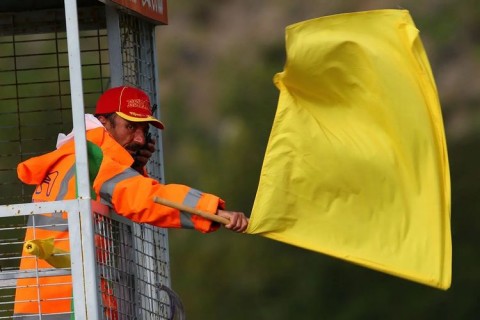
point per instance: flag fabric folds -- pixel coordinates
(356, 165)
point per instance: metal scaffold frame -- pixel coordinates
(135, 264)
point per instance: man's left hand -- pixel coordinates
(143, 155)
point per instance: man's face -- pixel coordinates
(130, 135)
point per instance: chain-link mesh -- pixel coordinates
(132, 267)
(132, 259)
(35, 100)
(35, 276)
(138, 62)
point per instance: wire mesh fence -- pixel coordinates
(131, 265)
(35, 100)
(23, 282)
(138, 62)
(132, 259)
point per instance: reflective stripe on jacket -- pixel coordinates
(114, 184)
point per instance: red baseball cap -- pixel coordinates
(130, 103)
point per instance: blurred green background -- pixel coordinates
(217, 60)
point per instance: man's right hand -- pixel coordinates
(238, 220)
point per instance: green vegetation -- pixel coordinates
(218, 102)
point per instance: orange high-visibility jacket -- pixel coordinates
(115, 184)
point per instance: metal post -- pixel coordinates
(114, 46)
(159, 155)
(85, 291)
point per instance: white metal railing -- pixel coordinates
(129, 263)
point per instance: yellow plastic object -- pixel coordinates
(45, 249)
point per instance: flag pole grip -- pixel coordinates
(191, 210)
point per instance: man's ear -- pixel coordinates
(102, 119)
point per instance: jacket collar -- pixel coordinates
(110, 146)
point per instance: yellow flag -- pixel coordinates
(356, 166)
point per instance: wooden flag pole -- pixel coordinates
(184, 208)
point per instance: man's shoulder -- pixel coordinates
(109, 147)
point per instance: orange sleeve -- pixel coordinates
(131, 195)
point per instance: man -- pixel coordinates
(125, 112)
(118, 151)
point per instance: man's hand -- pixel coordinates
(238, 220)
(143, 155)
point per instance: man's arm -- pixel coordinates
(238, 220)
